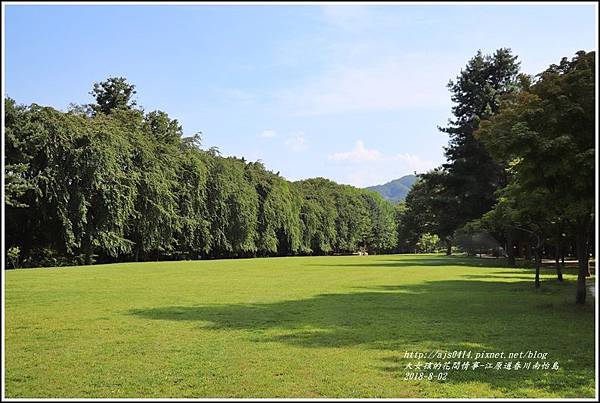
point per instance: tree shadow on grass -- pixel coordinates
(437, 315)
(416, 261)
(546, 276)
(444, 261)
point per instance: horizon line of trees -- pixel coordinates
(109, 182)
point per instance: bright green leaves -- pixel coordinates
(122, 184)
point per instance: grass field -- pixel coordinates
(290, 327)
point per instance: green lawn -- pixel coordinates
(290, 327)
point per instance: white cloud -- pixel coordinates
(296, 142)
(358, 154)
(267, 134)
(392, 84)
(372, 167)
(415, 163)
(365, 70)
(361, 154)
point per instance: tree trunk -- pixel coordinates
(528, 251)
(448, 247)
(537, 267)
(557, 263)
(510, 250)
(582, 259)
(87, 253)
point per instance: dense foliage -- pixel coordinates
(544, 133)
(109, 182)
(520, 173)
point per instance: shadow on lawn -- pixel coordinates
(410, 261)
(449, 315)
(464, 261)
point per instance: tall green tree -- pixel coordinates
(383, 235)
(546, 131)
(471, 175)
(16, 181)
(153, 169)
(233, 208)
(279, 228)
(354, 219)
(428, 209)
(112, 94)
(318, 215)
(193, 236)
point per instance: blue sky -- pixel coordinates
(353, 93)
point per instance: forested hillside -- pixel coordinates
(396, 190)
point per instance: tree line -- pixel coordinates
(109, 182)
(520, 170)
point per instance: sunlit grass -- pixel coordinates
(289, 327)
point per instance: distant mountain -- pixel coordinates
(395, 190)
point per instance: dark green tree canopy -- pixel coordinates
(113, 93)
(472, 175)
(545, 135)
(120, 184)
